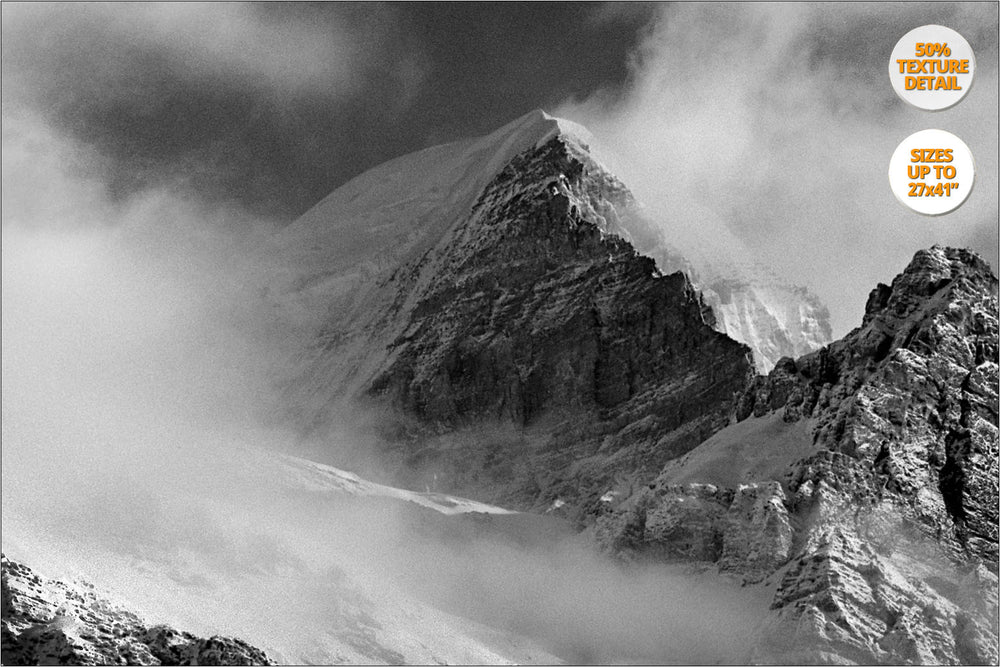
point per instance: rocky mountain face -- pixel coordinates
(774, 318)
(876, 517)
(751, 304)
(542, 320)
(495, 305)
(531, 355)
(498, 315)
(911, 395)
(50, 622)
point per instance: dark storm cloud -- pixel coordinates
(273, 105)
(239, 101)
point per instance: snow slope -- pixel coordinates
(327, 568)
(296, 571)
(736, 455)
(774, 318)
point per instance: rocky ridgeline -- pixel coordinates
(48, 622)
(907, 402)
(539, 316)
(883, 542)
(749, 302)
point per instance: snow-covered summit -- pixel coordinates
(459, 166)
(397, 211)
(548, 126)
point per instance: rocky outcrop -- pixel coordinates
(899, 554)
(46, 621)
(758, 536)
(668, 523)
(883, 540)
(747, 531)
(906, 405)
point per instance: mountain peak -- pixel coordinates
(539, 126)
(928, 271)
(944, 261)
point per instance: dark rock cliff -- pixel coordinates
(538, 316)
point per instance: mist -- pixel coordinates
(141, 453)
(761, 132)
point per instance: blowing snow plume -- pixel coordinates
(762, 132)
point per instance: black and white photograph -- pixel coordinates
(488, 333)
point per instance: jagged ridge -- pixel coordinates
(884, 538)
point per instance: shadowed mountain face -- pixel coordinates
(537, 318)
(876, 513)
(526, 354)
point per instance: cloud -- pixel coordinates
(142, 296)
(268, 105)
(766, 130)
(285, 53)
(136, 365)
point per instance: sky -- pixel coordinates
(758, 128)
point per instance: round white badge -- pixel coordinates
(932, 172)
(932, 67)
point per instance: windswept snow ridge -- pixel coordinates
(308, 475)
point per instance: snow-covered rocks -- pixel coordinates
(46, 621)
(774, 318)
(883, 527)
